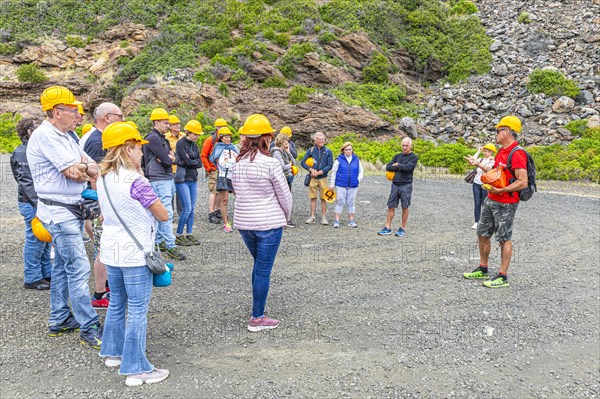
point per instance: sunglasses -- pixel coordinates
(71, 110)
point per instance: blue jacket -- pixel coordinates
(347, 173)
(323, 160)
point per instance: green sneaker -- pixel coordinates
(475, 274)
(162, 247)
(182, 240)
(175, 253)
(192, 240)
(497, 282)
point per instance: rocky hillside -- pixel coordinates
(563, 35)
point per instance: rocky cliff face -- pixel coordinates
(562, 35)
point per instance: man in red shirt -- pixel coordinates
(214, 205)
(499, 207)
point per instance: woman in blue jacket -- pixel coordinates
(346, 174)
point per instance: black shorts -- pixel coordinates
(400, 194)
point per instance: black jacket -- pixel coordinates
(404, 170)
(22, 174)
(157, 149)
(187, 157)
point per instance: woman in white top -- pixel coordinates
(485, 165)
(130, 280)
(346, 174)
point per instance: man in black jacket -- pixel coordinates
(158, 162)
(36, 254)
(403, 165)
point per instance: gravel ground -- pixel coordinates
(362, 315)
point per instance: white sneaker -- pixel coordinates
(310, 220)
(112, 361)
(324, 222)
(474, 226)
(156, 375)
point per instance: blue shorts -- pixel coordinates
(400, 194)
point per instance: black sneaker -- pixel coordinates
(92, 337)
(39, 285)
(182, 240)
(212, 218)
(67, 326)
(192, 240)
(175, 253)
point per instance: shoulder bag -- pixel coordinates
(471, 176)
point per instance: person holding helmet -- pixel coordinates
(346, 175)
(60, 171)
(128, 202)
(262, 208)
(322, 164)
(483, 165)
(158, 159)
(291, 146)
(37, 268)
(500, 206)
(223, 155)
(187, 156)
(214, 208)
(280, 150)
(86, 130)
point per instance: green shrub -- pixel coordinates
(523, 18)
(577, 128)
(124, 43)
(275, 82)
(327, 37)
(551, 83)
(299, 94)
(204, 76)
(30, 73)
(239, 74)
(8, 49)
(75, 41)
(377, 69)
(463, 7)
(122, 60)
(294, 56)
(282, 40)
(450, 156)
(223, 89)
(8, 132)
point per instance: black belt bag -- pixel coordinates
(83, 210)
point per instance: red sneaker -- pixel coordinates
(100, 303)
(262, 323)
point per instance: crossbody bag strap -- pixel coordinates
(141, 248)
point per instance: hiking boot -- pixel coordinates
(476, 274)
(156, 375)
(352, 223)
(101, 303)
(66, 326)
(182, 240)
(112, 361)
(400, 232)
(336, 224)
(227, 228)
(162, 247)
(39, 285)
(175, 253)
(496, 282)
(384, 232)
(310, 220)
(92, 337)
(262, 323)
(324, 222)
(212, 218)
(192, 240)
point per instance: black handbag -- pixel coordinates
(471, 176)
(154, 259)
(223, 183)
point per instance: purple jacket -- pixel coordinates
(262, 197)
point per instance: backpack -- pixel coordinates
(526, 193)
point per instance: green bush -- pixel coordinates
(523, 18)
(275, 82)
(577, 128)
(75, 41)
(327, 37)
(463, 7)
(294, 56)
(239, 74)
(8, 132)
(377, 69)
(8, 49)
(282, 40)
(299, 94)
(124, 43)
(204, 76)
(30, 73)
(551, 83)
(223, 89)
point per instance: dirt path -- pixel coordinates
(363, 316)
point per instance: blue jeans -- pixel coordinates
(263, 246)
(130, 287)
(36, 253)
(479, 194)
(70, 275)
(164, 189)
(187, 194)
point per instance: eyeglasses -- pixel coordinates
(71, 110)
(502, 129)
(119, 116)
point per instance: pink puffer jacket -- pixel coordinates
(262, 198)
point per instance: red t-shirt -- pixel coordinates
(519, 161)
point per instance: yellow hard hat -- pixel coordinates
(510, 121)
(220, 122)
(56, 95)
(224, 131)
(86, 128)
(294, 170)
(310, 162)
(286, 130)
(256, 125)
(173, 119)
(79, 107)
(390, 175)
(39, 231)
(329, 195)
(132, 124)
(491, 147)
(119, 132)
(193, 126)
(159, 114)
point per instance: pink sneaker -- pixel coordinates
(262, 323)
(227, 228)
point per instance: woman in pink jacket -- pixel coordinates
(262, 208)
